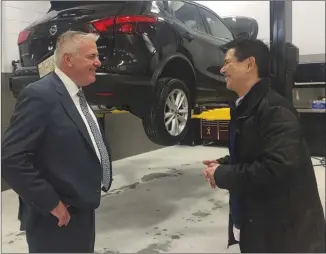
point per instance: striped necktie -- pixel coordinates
(105, 159)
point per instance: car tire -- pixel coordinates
(162, 116)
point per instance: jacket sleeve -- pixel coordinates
(281, 141)
(223, 160)
(20, 142)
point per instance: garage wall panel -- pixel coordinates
(16, 15)
(258, 10)
(308, 21)
(308, 26)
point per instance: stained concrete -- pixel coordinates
(159, 202)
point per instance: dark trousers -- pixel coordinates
(45, 236)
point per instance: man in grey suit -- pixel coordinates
(53, 153)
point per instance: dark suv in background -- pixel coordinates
(159, 58)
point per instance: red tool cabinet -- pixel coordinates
(217, 130)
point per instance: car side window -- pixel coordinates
(161, 4)
(187, 14)
(216, 26)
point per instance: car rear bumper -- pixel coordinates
(18, 83)
(125, 91)
(111, 90)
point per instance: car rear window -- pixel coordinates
(61, 5)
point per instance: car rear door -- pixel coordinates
(217, 35)
(190, 26)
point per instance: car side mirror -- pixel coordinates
(242, 27)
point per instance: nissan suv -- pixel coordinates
(159, 58)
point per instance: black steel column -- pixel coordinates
(281, 48)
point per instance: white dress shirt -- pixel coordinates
(73, 89)
(237, 102)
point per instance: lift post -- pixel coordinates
(285, 56)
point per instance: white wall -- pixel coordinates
(308, 20)
(308, 26)
(258, 10)
(16, 15)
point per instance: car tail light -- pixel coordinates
(123, 24)
(23, 35)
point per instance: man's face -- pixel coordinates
(84, 63)
(235, 72)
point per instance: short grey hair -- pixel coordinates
(69, 42)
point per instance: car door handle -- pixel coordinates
(188, 36)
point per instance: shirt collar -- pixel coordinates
(238, 101)
(69, 84)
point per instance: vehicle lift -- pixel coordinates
(285, 59)
(285, 55)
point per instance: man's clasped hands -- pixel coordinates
(209, 171)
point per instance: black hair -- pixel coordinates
(245, 48)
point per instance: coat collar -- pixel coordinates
(70, 85)
(59, 85)
(251, 99)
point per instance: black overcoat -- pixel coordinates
(281, 207)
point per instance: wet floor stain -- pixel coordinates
(153, 176)
(175, 237)
(190, 221)
(217, 204)
(123, 188)
(156, 248)
(21, 233)
(201, 214)
(146, 178)
(131, 186)
(110, 251)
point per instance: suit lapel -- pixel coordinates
(71, 109)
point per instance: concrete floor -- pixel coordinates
(159, 202)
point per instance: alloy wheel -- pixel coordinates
(176, 112)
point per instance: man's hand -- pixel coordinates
(209, 174)
(209, 163)
(62, 214)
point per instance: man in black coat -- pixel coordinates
(274, 200)
(53, 153)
